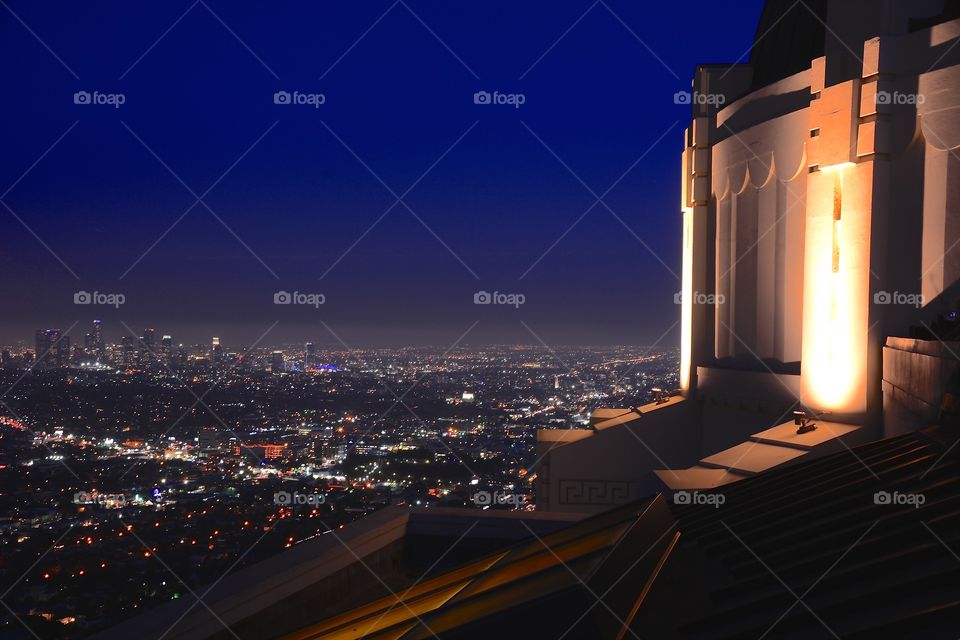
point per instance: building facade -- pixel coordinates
(820, 201)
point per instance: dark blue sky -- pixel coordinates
(202, 94)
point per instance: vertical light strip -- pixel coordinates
(837, 206)
(834, 347)
(835, 266)
(686, 301)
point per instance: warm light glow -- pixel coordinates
(837, 167)
(834, 342)
(686, 302)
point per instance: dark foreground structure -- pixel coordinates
(858, 544)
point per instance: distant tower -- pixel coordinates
(52, 349)
(98, 346)
(127, 351)
(42, 347)
(146, 351)
(166, 348)
(216, 351)
(309, 356)
(276, 361)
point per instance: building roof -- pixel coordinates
(789, 35)
(540, 586)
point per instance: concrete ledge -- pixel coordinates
(916, 374)
(615, 464)
(786, 434)
(698, 477)
(605, 413)
(925, 347)
(635, 414)
(751, 458)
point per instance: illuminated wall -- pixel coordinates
(694, 195)
(686, 308)
(823, 198)
(836, 298)
(792, 206)
(759, 186)
(836, 292)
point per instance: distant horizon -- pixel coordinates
(476, 334)
(331, 344)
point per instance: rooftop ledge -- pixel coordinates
(768, 449)
(604, 418)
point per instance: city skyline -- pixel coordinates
(94, 348)
(321, 337)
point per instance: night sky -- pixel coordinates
(293, 187)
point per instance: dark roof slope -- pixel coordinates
(863, 566)
(790, 34)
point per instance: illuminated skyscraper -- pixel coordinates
(276, 361)
(98, 346)
(309, 356)
(216, 351)
(52, 349)
(166, 348)
(127, 354)
(93, 343)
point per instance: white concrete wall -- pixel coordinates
(759, 185)
(615, 464)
